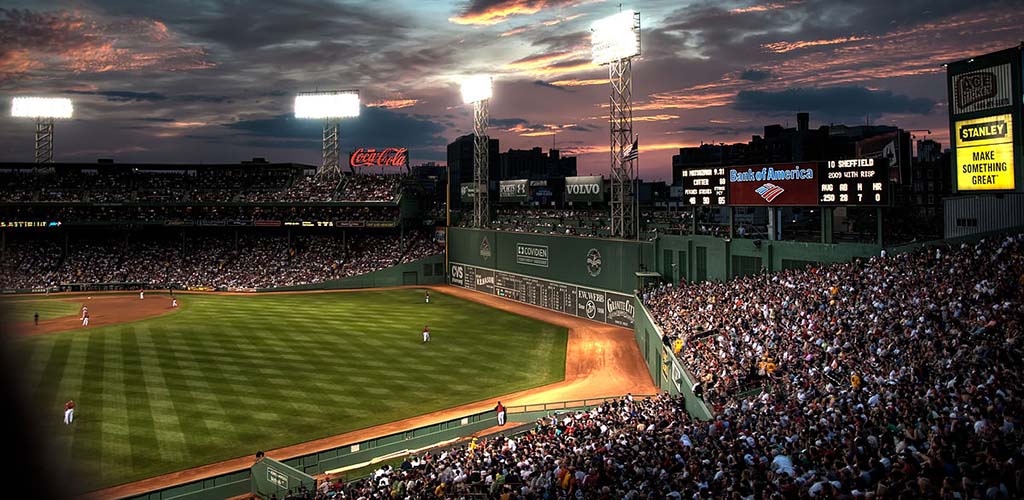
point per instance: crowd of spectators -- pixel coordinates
(203, 214)
(371, 187)
(248, 260)
(895, 377)
(212, 185)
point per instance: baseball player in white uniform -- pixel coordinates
(69, 412)
(142, 294)
(174, 302)
(427, 295)
(426, 334)
(85, 318)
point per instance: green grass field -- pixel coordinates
(21, 310)
(225, 376)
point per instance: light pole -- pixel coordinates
(330, 106)
(44, 110)
(476, 90)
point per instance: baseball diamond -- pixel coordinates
(223, 376)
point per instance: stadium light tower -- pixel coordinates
(615, 41)
(476, 90)
(330, 106)
(44, 110)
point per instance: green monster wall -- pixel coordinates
(569, 258)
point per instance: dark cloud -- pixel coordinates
(375, 127)
(121, 95)
(542, 83)
(832, 101)
(507, 122)
(755, 75)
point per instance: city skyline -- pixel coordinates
(214, 81)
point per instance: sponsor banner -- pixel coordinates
(458, 275)
(381, 223)
(591, 304)
(984, 153)
(532, 255)
(983, 89)
(538, 183)
(387, 157)
(862, 181)
(466, 192)
(512, 191)
(619, 309)
(894, 147)
(787, 184)
(703, 186)
(267, 223)
(584, 188)
(349, 223)
(18, 224)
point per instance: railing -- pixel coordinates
(569, 405)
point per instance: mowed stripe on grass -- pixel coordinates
(22, 310)
(229, 375)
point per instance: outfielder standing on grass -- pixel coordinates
(427, 295)
(426, 334)
(69, 412)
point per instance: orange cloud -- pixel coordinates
(580, 83)
(783, 47)
(655, 118)
(762, 8)
(500, 12)
(393, 103)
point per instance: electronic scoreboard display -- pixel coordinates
(859, 182)
(704, 186)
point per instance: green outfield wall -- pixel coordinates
(600, 263)
(699, 258)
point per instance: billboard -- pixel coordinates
(982, 90)
(787, 184)
(466, 192)
(984, 153)
(513, 191)
(703, 186)
(387, 157)
(584, 188)
(894, 147)
(864, 181)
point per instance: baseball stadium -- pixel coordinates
(816, 313)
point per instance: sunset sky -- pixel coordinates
(214, 81)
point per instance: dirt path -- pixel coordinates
(104, 310)
(601, 360)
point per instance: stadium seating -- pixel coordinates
(897, 377)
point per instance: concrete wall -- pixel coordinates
(426, 271)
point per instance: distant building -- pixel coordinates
(780, 144)
(460, 161)
(535, 164)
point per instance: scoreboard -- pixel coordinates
(704, 186)
(583, 302)
(860, 182)
(834, 183)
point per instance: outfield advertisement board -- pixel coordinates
(512, 191)
(588, 303)
(984, 153)
(532, 255)
(788, 184)
(584, 188)
(983, 90)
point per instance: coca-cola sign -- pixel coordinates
(387, 157)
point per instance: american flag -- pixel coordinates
(631, 153)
